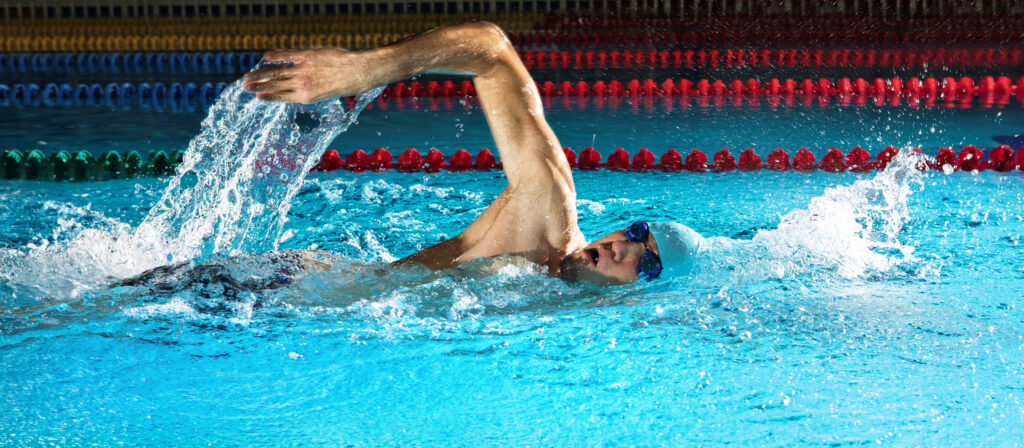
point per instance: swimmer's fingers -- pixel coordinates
(269, 86)
(315, 74)
(274, 73)
(269, 83)
(288, 96)
(294, 56)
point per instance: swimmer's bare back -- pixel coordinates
(535, 215)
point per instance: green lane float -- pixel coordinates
(12, 164)
(81, 165)
(60, 165)
(111, 164)
(132, 163)
(159, 163)
(35, 164)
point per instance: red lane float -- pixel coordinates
(724, 161)
(485, 161)
(739, 58)
(1002, 158)
(643, 160)
(618, 161)
(460, 161)
(671, 160)
(778, 160)
(803, 160)
(621, 31)
(410, 160)
(858, 160)
(696, 161)
(987, 89)
(589, 159)
(833, 161)
(380, 160)
(329, 161)
(434, 161)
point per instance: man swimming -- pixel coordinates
(535, 215)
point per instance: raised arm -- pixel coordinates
(536, 213)
(529, 150)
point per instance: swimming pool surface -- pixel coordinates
(838, 309)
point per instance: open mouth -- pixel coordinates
(594, 255)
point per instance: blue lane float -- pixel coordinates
(18, 92)
(81, 93)
(176, 91)
(111, 61)
(112, 93)
(51, 94)
(19, 62)
(96, 91)
(209, 61)
(144, 91)
(127, 91)
(67, 95)
(159, 62)
(176, 95)
(178, 60)
(42, 61)
(159, 91)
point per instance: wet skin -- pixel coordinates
(535, 215)
(609, 260)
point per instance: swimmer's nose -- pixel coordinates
(619, 249)
(623, 250)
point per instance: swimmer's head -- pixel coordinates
(642, 250)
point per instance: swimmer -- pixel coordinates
(535, 215)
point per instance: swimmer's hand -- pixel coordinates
(479, 49)
(313, 75)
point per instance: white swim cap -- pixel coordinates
(678, 246)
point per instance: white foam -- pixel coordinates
(176, 307)
(230, 195)
(849, 231)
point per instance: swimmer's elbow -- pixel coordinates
(496, 46)
(488, 31)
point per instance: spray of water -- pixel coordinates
(230, 195)
(239, 175)
(850, 231)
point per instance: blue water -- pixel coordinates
(832, 309)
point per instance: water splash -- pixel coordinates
(850, 231)
(230, 195)
(239, 175)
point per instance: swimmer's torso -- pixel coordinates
(539, 226)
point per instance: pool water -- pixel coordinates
(830, 308)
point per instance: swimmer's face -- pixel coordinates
(609, 260)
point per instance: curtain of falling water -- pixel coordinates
(233, 189)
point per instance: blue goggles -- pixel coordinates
(650, 264)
